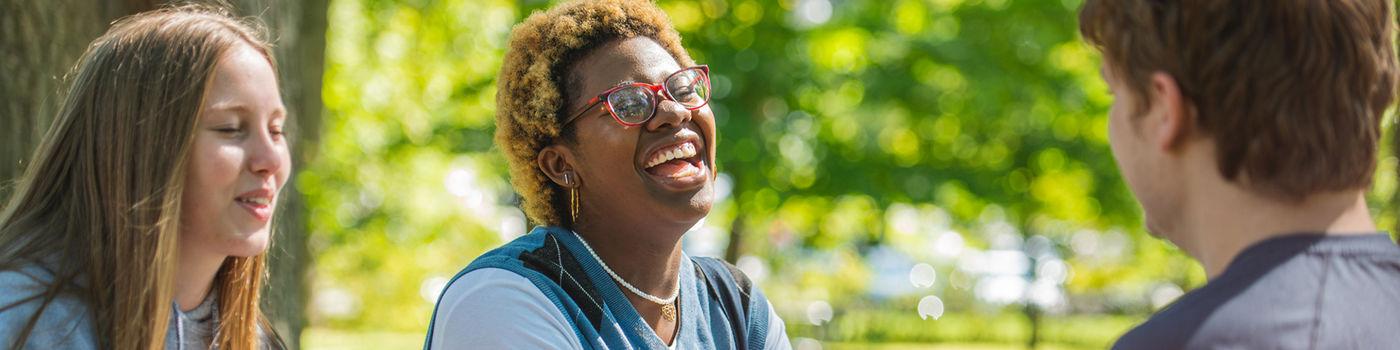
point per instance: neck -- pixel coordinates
(1225, 219)
(195, 276)
(646, 257)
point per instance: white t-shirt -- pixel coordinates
(492, 308)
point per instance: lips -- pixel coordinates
(677, 162)
(258, 203)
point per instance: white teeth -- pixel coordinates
(257, 200)
(684, 150)
(686, 172)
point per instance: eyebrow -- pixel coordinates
(242, 108)
(236, 107)
(646, 80)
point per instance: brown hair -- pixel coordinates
(1292, 92)
(536, 84)
(102, 198)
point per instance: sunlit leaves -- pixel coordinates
(406, 187)
(987, 115)
(840, 50)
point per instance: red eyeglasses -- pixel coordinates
(633, 104)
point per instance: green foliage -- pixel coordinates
(886, 125)
(882, 326)
(405, 184)
(986, 111)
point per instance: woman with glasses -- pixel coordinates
(603, 118)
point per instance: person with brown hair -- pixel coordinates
(604, 120)
(1248, 131)
(144, 219)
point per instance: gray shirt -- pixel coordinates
(193, 329)
(1304, 291)
(66, 322)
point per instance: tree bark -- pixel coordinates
(1394, 205)
(40, 42)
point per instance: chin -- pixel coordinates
(1156, 228)
(247, 245)
(703, 200)
(1153, 231)
(688, 210)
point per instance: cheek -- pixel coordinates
(213, 170)
(608, 153)
(284, 172)
(705, 118)
(1118, 132)
(1122, 140)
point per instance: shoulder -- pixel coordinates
(1260, 303)
(487, 287)
(1305, 290)
(511, 252)
(1360, 279)
(727, 281)
(719, 265)
(735, 287)
(28, 279)
(497, 308)
(62, 322)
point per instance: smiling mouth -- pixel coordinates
(677, 161)
(255, 200)
(259, 206)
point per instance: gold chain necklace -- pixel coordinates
(668, 308)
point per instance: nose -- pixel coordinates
(267, 153)
(669, 114)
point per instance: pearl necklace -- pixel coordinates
(666, 303)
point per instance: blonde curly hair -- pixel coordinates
(535, 82)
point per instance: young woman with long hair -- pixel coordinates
(143, 220)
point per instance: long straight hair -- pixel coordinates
(99, 207)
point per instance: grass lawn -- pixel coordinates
(949, 346)
(319, 338)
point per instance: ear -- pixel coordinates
(557, 162)
(1172, 115)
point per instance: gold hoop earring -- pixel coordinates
(573, 205)
(573, 198)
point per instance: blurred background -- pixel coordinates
(907, 174)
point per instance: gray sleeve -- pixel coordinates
(497, 309)
(64, 324)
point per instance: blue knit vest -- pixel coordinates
(719, 307)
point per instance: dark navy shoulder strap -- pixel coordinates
(543, 260)
(742, 304)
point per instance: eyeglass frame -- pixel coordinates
(655, 97)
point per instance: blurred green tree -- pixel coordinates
(848, 129)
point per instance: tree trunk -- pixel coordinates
(41, 40)
(1394, 205)
(735, 247)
